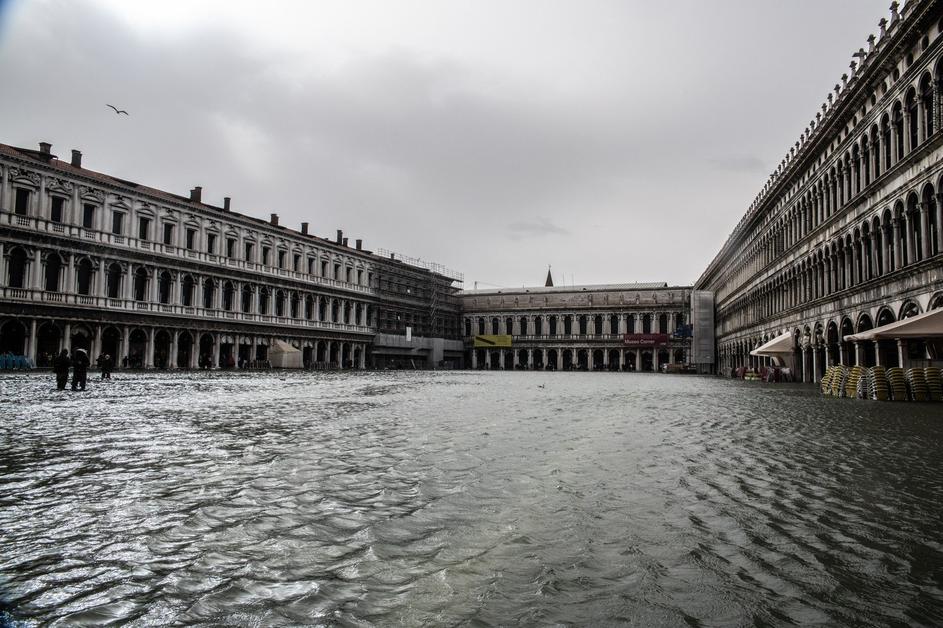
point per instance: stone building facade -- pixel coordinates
(88, 260)
(616, 327)
(846, 234)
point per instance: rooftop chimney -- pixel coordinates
(274, 220)
(359, 244)
(304, 228)
(196, 194)
(340, 236)
(345, 241)
(45, 148)
(77, 158)
(227, 203)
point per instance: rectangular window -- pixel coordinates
(324, 269)
(168, 234)
(211, 243)
(296, 263)
(144, 225)
(311, 267)
(348, 274)
(337, 271)
(265, 255)
(249, 251)
(88, 216)
(55, 214)
(281, 259)
(191, 238)
(117, 223)
(22, 202)
(360, 277)
(230, 247)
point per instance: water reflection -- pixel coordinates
(454, 498)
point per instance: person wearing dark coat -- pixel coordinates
(79, 369)
(61, 366)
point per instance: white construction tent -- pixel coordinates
(284, 356)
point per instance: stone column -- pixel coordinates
(877, 353)
(487, 359)
(605, 359)
(621, 359)
(841, 352)
(31, 347)
(216, 342)
(501, 364)
(474, 358)
(129, 283)
(901, 353)
(125, 346)
(898, 254)
(66, 340)
(924, 230)
(69, 286)
(909, 231)
(805, 361)
(96, 344)
(858, 354)
(638, 360)
(559, 359)
(172, 358)
(149, 359)
(515, 358)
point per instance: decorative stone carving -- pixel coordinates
(25, 176)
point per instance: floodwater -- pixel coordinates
(465, 499)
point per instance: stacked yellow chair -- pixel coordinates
(851, 382)
(918, 384)
(897, 384)
(934, 383)
(879, 388)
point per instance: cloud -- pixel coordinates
(538, 227)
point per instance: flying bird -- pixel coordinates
(118, 110)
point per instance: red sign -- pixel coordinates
(645, 340)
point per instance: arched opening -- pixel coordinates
(522, 359)
(887, 349)
(598, 359)
(630, 324)
(264, 303)
(613, 359)
(13, 338)
(646, 323)
(568, 325)
(111, 344)
(140, 285)
(164, 287)
(614, 324)
(539, 326)
(137, 349)
(663, 357)
(629, 360)
(48, 343)
(187, 289)
(582, 359)
(663, 324)
(523, 325)
(81, 339)
(335, 310)
(83, 277)
(229, 295)
(495, 325)
(184, 349)
(582, 325)
(679, 356)
(508, 325)
(53, 272)
(309, 310)
(207, 346)
(648, 362)
(17, 264)
(295, 301)
(847, 348)
(480, 358)
(597, 325)
(553, 325)
(209, 293)
(162, 349)
(552, 359)
(246, 299)
(568, 361)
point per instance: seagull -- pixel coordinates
(118, 110)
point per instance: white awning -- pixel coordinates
(779, 345)
(926, 325)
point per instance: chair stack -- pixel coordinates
(897, 384)
(879, 388)
(832, 374)
(934, 383)
(917, 382)
(851, 382)
(837, 381)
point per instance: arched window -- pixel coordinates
(539, 325)
(897, 115)
(646, 323)
(294, 304)
(494, 325)
(663, 324)
(279, 303)
(913, 120)
(246, 299)
(468, 327)
(229, 293)
(309, 307)
(114, 281)
(84, 277)
(53, 272)
(523, 322)
(209, 292)
(165, 287)
(140, 285)
(263, 301)
(186, 294)
(16, 277)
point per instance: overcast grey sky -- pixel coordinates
(615, 140)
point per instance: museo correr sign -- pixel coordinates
(645, 340)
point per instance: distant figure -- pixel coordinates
(124, 362)
(79, 369)
(107, 365)
(61, 366)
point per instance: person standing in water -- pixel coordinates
(79, 369)
(61, 366)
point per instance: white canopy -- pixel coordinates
(284, 356)
(779, 345)
(926, 325)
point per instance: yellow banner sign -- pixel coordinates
(485, 342)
